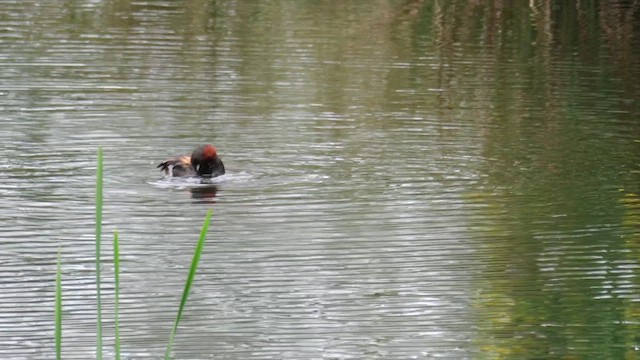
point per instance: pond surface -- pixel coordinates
(405, 179)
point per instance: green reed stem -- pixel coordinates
(116, 270)
(98, 236)
(58, 311)
(187, 286)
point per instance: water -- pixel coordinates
(405, 180)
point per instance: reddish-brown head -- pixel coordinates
(209, 152)
(206, 162)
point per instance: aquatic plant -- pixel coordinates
(187, 285)
(58, 311)
(116, 265)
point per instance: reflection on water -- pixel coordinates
(204, 193)
(409, 179)
(200, 189)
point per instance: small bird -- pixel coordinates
(204, 161)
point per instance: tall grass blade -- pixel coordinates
(98, 236)
(116, 270)
(187, 286)
(58, 311)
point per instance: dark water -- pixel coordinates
(406, 179)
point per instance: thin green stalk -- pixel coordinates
(98, 236)
(58, 311)
(187, 286)
(116, 269)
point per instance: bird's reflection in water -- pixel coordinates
(205, 193)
